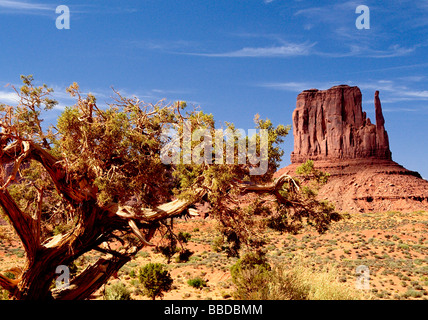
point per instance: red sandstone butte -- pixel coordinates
(331, 129)
(330, 124)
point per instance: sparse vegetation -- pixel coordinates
(117, 291)
(155, 280)
(197, 283)
(393, 277)
(256, 280)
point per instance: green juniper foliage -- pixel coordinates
(155, 279)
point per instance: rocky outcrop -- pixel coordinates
(330, 128)
(369, 185)
(330, 124)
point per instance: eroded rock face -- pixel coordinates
(331, 129)
(330, 124)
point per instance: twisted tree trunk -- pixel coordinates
(94, 226)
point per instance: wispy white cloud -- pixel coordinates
(368, 52)
(287, 50)
(295, 86)
(333, 13)
(413, 78)
(400, 67)
(171, 46)
(24, 7)
(287, 86)
(398, 91)
(21, 7)
(18, 5)
(8, 97)
(11, 98)
(282, 50)
(276, 47)
(392, 51)
(417, 95)
(400, 110)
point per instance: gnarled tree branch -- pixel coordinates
(23, 224)
(268, 188)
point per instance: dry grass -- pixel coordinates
(313, 284)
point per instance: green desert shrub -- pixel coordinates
(197, 283)
(250, 274)
(117, 291)
(155, 280)
(412, 293)
(218, 244)
(250, 260)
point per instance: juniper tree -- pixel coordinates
(155, 280)
(98, 177)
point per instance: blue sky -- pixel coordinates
(232, 58)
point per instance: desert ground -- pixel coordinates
(393, 245)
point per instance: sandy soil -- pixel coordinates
(394, 246)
